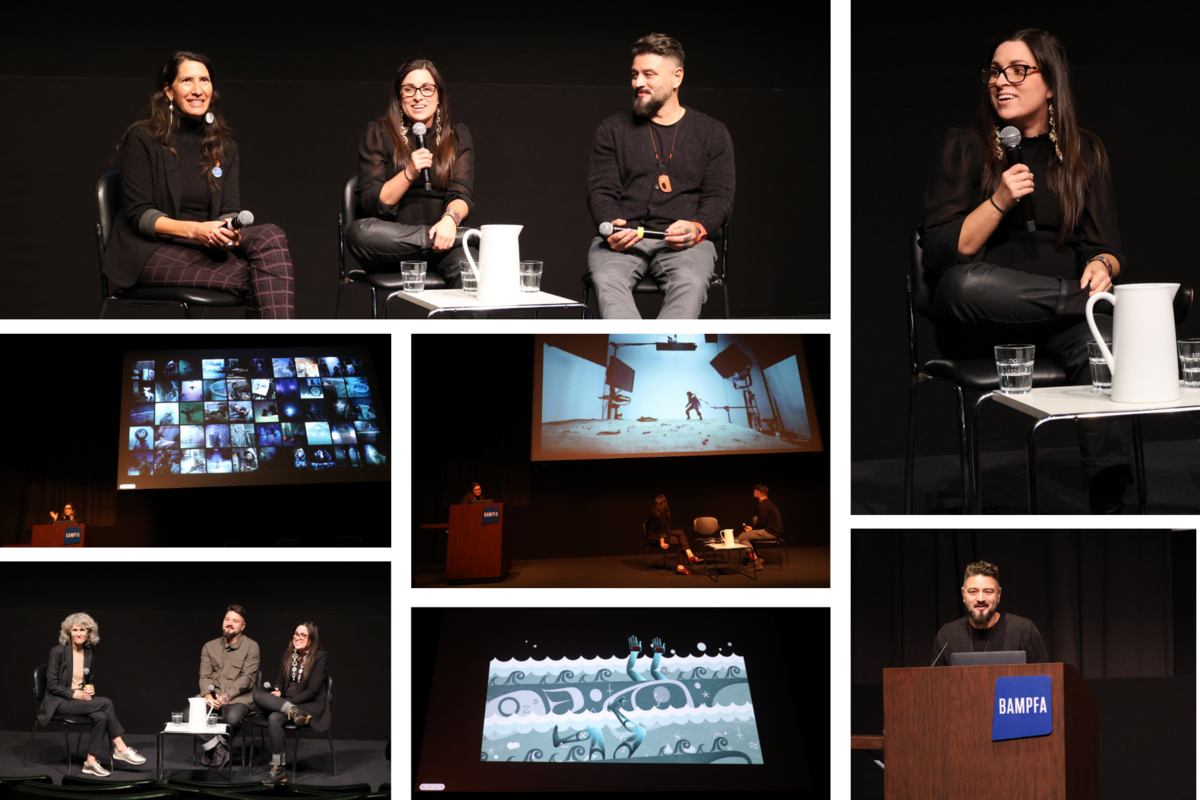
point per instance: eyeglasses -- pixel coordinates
(301, 635)
(1015, 73)
(428, 90)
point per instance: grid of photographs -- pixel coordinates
(212, 416)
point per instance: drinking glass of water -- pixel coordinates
(414, 276)
(470, 279)
(1014, 363)
(1101, 374)
(531, 276)
(1189, 356)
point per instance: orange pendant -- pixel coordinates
(664, 183)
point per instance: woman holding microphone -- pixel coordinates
(69, 691)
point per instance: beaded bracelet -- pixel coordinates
(1103, 260)
(452, 213)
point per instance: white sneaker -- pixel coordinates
(129, 755)
(94, 768)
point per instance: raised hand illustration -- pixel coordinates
(658, 646)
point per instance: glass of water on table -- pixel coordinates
(470, 278)
(414, 276)
(1189, 356)
(1101, 374)
(531, 276)
(1014, 363)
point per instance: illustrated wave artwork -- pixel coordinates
(689, 709)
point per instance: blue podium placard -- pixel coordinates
(72, 534)
(1021, 707)
(491, 514)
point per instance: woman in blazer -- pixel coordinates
(69, 690)
(401, 218)
(298, 697)
(179, 191)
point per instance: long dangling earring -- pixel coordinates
(171, 110)
(437, 139)
(403, 125)
(1053, 133)
(996, 145)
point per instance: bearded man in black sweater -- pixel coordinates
(661, 167)
(984, 628)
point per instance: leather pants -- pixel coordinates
(379, 246)
(977, 306)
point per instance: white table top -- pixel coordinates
(184, 727)
(1067, 400)
(434, 299)
(728, 546)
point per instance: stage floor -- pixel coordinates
(357, 761)
(1172, 481)
(809, 569)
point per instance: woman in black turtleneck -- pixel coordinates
(179, 187)
(399, 217)
(994, 283)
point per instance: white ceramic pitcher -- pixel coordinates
(1144, 335)
(197, 713)
(499, 267)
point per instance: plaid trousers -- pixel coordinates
(259, 269)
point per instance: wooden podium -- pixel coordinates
(475, 550)
(53, 535)
(938, 737)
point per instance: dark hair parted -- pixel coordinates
(162, 123)
(310, 652)
(239, 610)
(393, 120)
(1068, 180)
(762, 487)
(660, 508)
(982, 568)
(659, 44)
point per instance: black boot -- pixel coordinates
(277, 775)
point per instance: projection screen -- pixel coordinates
(640, 395)
(253, 416)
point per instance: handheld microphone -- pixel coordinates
(939, 655)
(418, 130)
(608, 229)
(1010, 138)
(243, 219)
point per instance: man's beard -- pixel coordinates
(649, 106)
(982, 617)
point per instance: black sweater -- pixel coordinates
(623, 176)
(955, 189)
(417, 206)
(1010, 633)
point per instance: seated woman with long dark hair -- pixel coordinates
(179, 190)
(995, 283)
(297, 697)
(69, 690)
(401, 219)
(658, 532)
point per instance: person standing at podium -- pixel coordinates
(984, 628)
(69, 690)
(473, 495)
(67, 517)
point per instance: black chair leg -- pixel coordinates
(29, 752)
(332, 753)
(964, 455)
(187, 312)
(67, 739)
(375, 305)
(103, 307)
(1139, 464)
(911, 447)
(295, 754)
(725, 291)
(337, 314)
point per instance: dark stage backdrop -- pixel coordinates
(1118, 605)
(63, 451)
(787, 659)
(299, 90)
(152, 625)
(581, 508)
(904, 100)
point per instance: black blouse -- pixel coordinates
(417, 206)
(955, 190)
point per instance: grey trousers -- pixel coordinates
(749, 537)
(683, 275)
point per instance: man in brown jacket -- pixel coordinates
(228, 666)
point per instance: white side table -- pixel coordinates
(448, 301)
(728, 550)
(1073, 402)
